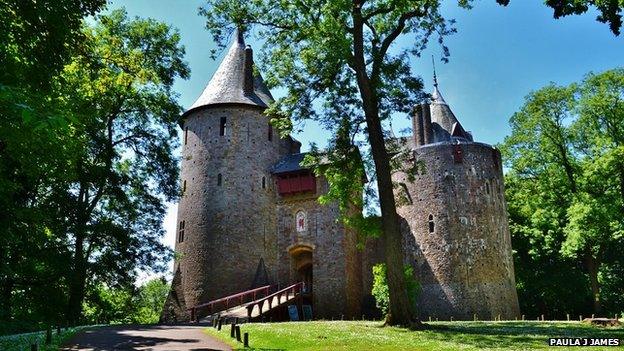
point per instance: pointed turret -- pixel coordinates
(444, 123)
(436, 97)
(234, 81)
(434, 121)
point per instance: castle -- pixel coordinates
(249, 214)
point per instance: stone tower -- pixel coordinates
(226, 226)
(454, 219)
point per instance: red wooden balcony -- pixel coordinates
(288, 184)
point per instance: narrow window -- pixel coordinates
(487, 187)
(270, 133)
(222, 126)
(263, 182)
(181, 232)
(183, 186)
(185, 135)
(219, 179)
(431, 224)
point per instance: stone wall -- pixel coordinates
(228, 227)
(462, 255)
(336, 260)
(463, 260)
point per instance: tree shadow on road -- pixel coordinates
(125, 338)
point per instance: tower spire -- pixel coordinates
(435, 78)
(436, 97)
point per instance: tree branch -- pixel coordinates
(385, 44)
(379, 11)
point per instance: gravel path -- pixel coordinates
(160, 337)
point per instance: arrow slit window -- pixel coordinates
(431, 224)
(181, 232)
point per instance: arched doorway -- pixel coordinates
(302, 264)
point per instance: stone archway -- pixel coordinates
(301, 259)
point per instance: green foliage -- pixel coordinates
(447, 336)
(126, 305)
(335, 63)
(565, 190)
(609, 10)
(120, 89)
(36, 144)
(109, 305)
(86, 140)
(342, 165)
(21, 342)
(151, 300)
(380, 286)
(37, 38)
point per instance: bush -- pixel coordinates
(381, 291)
(124, 305)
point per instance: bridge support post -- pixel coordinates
(246, 340)
(238, 334)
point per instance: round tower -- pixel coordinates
(226, 225)
(454, 219)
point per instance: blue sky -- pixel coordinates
(497, 57)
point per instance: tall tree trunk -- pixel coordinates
(401, 311)
(7, 288)
(592, 266)
(77, 282)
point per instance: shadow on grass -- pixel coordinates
(514, 334)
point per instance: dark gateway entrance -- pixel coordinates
(301, 262)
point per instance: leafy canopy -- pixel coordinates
(565, 189)
(609, 11)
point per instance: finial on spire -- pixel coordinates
(436, 97)
(435, 78)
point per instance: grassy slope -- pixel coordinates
(22, 342)
(367, 335)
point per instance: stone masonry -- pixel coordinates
(249, 214)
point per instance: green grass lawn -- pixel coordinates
(370, 335)
(22, 342)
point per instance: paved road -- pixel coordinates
(152, 338)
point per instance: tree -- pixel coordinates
(151, 300)
(36, 40)
(595, 216)
(565, 184)
(88, 123)
(337, 62)
(120, 91)
(610, 10)
(124, 304)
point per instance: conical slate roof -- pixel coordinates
(436, 97)
(445, 124)
(227, 85)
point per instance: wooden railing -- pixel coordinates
(224, 303)
(293, 289)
